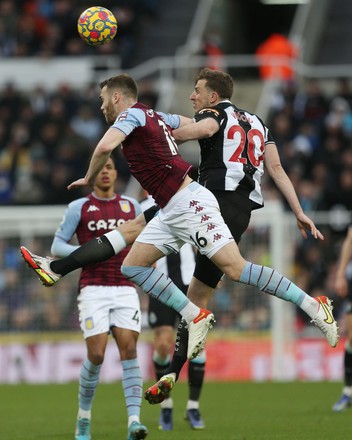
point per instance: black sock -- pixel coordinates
(181, 346)
(195, 379)
(160, 370)
(94, 251)
(348, 368)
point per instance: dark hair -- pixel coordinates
(124, 83)
(217, 81)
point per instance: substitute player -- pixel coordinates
(107, 302)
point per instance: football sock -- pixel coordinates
(150, 213)
(348, 366)
(83, 414)
(270, 281)
(160, 286)
(192, 404)
(167, 403)
(88, 382)
(180, 353)
(196, 370)
(160, 365)
(132, 388)
(94, 251)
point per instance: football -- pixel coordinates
(97, 25)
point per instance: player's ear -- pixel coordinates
(213, 97)
(116, 96)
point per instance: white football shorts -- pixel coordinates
(103, 307)
(191, 216)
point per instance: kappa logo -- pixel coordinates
(217, 237)
(205, 218)
(210, 227)
(198, 209)
(92, 208)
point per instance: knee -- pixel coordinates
(163, 348)
(233, 273)
(96, 358)
(128, 353)
(163, 344)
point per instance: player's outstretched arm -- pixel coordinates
(197, 130)
(282, 181)
(111, 139)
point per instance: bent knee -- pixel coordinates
(96, 358)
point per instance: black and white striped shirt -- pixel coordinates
(233, 158)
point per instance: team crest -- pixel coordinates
(125, 206)
(150, 112)
(89, 324)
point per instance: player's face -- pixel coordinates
(201, 97)
(106, 178)
(107, 106)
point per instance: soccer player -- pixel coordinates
(163, 320)
(343, 286)
(235, 145)
(107, 302)
(155, 162)
(189, 212)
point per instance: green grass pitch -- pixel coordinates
(232, 411)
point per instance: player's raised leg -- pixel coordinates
(49, 270)
(137, 267)
(268, 280)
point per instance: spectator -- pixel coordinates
(87, 125)
(270, 51)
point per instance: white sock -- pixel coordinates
(167, 403)
(189, 312)
(347, 391)
(192, 404)
(159, 360)
(132, 419)
(83, 414)
(116, 240)
(310, 306)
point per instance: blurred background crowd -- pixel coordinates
(47, 137)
